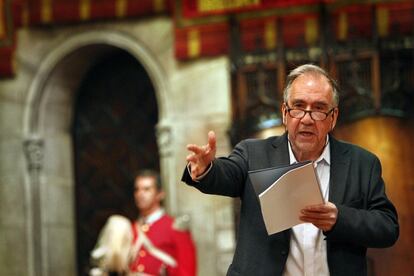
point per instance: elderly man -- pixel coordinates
(334, 237)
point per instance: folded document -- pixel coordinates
(284, 191)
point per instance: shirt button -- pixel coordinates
(283, 252)
(142, 253)
(141, 267)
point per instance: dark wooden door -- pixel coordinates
(114, 135)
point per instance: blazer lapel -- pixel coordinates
(340, 160)
(279, 155)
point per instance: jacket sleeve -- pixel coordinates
(371, 220)
(227, 175)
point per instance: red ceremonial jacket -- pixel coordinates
(168, 238)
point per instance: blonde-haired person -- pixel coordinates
(154, 244)
(112, 253)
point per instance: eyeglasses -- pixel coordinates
(299, 113)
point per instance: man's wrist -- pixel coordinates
(201, 176)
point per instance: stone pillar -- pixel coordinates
(34, 152)
(167, 165)
(224, 229)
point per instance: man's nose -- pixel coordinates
(307, 118)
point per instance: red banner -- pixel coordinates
(353, 22)
(7, 61)
(3, 23)
(202, 26)
(207, 40)
(7, 36)
(395, 18)
(258, 33)
(17, 13)
(64, 11)
(300, 30)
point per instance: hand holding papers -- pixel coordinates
(284, 191)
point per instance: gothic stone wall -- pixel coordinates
(37, 227)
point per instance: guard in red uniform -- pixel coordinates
(162, 245)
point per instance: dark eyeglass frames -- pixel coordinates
(299, 113)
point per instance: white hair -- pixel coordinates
(310, 69)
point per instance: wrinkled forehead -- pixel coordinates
(311, 88)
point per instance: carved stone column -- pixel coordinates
(167, 165)
(34, 152)
(223, 209)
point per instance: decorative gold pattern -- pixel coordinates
(25, 15)
(219, 5)
(85, 9)
(2, 21)
(159, 5)
(194, 45)
(311, 31)
(342, 26)
(270, 34)
(120, 8)
(46, 12)
(383, 21)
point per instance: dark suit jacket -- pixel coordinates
(366, 218)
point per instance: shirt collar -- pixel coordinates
(153, 217)
(325, 156)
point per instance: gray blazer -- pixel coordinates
(366, 218)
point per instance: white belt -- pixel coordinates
(143, 240)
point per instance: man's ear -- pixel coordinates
(334, 118)
(161, 195)
(284, 111)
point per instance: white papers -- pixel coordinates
(283, 192)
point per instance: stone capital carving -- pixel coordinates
(164, 140)
(34, 152)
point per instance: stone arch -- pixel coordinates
(115, 39)
(46, 128)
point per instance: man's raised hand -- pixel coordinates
(201, 156)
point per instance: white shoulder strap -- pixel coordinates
(143, 240)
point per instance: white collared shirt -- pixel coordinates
(150, 219)
(307, 254)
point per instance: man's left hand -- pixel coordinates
(322, 216)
